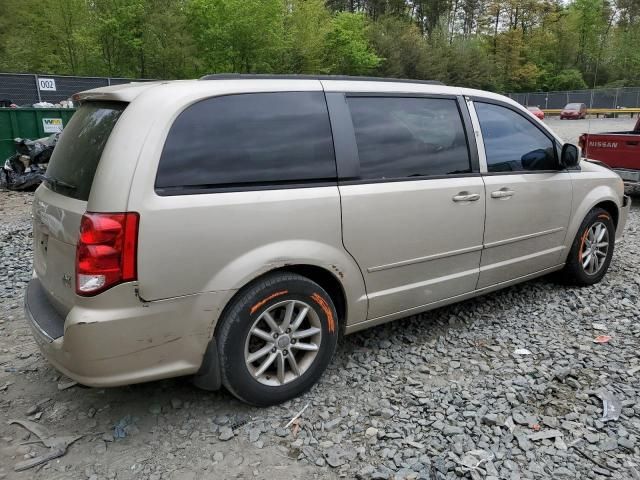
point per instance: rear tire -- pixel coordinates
(591, 251)
(276, 338)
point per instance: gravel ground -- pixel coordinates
(570, 130)
(504, 386)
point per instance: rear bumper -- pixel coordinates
(100, 345)
(629, 177)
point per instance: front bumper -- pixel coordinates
(100, 345)
(623, 215)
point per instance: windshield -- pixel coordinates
(77, 154)
(573, 106)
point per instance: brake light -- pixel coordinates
(106, 251)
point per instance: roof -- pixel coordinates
(178, 92)
(267, 76)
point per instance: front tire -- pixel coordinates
(276, 338)
(592, 249)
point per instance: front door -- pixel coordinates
(528, 196)
(414, 217)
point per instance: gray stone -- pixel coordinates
(545, 434)
(332, 424)
(450, 430)
(609, 444)
(225, 434)
(627, 443)
(490, 419)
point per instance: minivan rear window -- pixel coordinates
(77, 153)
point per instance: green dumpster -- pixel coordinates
(29, 123)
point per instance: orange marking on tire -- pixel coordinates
(584, 238)
(265, 300)
(604, 215)
(327, 310)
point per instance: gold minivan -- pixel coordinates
(231, 228)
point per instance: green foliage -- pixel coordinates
(347, 48)
(306, 28)
(503, 45)
(570, 79)
(237, 35)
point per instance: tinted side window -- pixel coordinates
(249, 139)
(408, 137)
(512, 143)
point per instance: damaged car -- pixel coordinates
(232, 228)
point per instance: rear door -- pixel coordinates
(528, 196)
(60, 203)
(412, 198)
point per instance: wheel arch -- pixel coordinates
(603, 197)
(329, 280)
(611, 208)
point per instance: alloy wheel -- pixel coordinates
(283, 342)
(595, 246)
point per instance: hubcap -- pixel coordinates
(595, 245)
(283, 342)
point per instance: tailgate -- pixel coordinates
(56, 224)
(61, 201)
(616, 150)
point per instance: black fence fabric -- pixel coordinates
(27, 89)
(628, 97)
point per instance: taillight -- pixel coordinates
(106, 251)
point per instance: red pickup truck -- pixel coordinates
(618, 150)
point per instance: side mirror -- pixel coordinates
(570, 156)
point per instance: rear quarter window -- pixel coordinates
(248, 140)
(76, 156)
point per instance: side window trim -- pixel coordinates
(477, 134)
(346, 149)
(469, 131)
(552, 139)
(344, 137)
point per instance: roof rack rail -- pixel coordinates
(269, 76)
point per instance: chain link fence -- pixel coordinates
(25, 89)
(628, 97)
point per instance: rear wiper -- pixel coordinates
(58, 183)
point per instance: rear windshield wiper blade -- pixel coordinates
(58, 183)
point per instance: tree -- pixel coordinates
(505, 45)
(306, 28)
(238, 35)
(403, 49)
(347, 49)
(570, 79)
